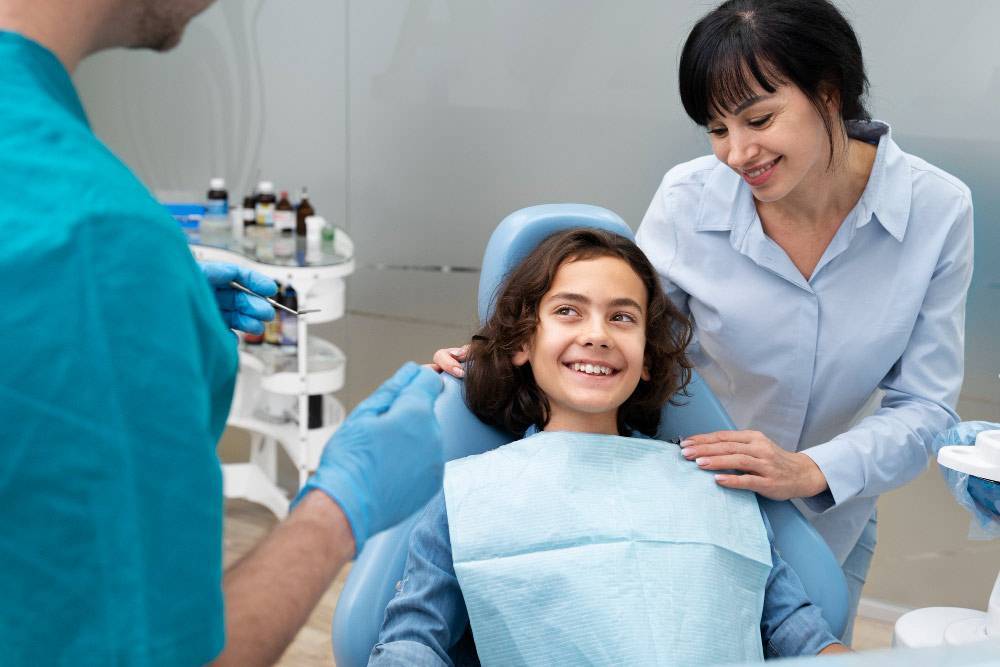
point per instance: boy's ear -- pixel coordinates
(645, 375)
(520, 357)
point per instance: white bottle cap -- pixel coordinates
(265, 188)
(314, 227)
(217, 184)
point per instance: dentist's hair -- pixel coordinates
(505, 395)
(805, 43)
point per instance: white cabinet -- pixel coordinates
(273, 389)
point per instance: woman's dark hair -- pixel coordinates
(807, 43)
(505, 395)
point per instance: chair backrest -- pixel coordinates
(372, 580)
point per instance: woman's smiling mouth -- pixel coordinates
(758, 175)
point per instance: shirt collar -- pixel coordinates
(727, 203)
(25, 62)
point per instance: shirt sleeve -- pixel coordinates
(428, 615)
(790, 625)
(891, 447)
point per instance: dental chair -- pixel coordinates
(372, 580)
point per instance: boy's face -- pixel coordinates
(587, 352)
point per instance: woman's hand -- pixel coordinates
(767, 469)
(450, 361)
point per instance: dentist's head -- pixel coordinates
(152, 24)
(74, 29)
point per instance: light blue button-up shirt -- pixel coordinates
(799, 359)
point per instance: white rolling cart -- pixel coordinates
(270, 375)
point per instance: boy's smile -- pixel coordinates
(587, 353)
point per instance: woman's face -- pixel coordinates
(587, 352)
(776, 142)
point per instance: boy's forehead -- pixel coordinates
(598, 278)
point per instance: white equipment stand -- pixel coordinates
(954, 626)
(267, 374)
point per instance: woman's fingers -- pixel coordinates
(721, 436)
(739, 462)
(449, 360)
(749, 482)
(692, 452)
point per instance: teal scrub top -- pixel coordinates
(115, 385)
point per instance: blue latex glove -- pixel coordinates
(385, 461)
(979, 496)
(240, 310)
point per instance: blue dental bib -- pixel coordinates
(581, 549)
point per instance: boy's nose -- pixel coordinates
(596, 336)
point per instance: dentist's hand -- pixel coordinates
(767, 468)
(240, 310)
(385, 461)
(450, 361)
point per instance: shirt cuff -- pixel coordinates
(405, 654)
(802, 633)
(844, 474)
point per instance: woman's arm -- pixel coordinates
(891, 447)
(427, 616)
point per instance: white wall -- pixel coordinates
(419, 124)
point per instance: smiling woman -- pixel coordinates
(773, 246)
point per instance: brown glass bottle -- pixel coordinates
(272, 329)
(249, 215)
(284, 214)
(303, 211)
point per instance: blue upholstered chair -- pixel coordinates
(372, 580)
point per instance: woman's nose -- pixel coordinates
(743, 150)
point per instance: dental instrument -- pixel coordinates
(271, 301)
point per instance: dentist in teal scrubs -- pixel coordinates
(117, 378)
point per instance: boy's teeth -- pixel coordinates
(591, 369)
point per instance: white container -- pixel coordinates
(314, 229)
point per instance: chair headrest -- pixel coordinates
(521, 231)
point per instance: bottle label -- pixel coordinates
(265, 214)
(284, 220)
(289, 330)
(217, 207)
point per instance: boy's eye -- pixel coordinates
(565, 311)
(760, 122)
(623, 317)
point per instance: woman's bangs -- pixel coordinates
(732, 74)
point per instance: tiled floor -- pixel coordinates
(247, 523)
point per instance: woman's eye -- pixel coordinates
(760, 122)
(717, 131)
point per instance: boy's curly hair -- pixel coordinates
(505, 395)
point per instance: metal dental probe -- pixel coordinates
(236, 285)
